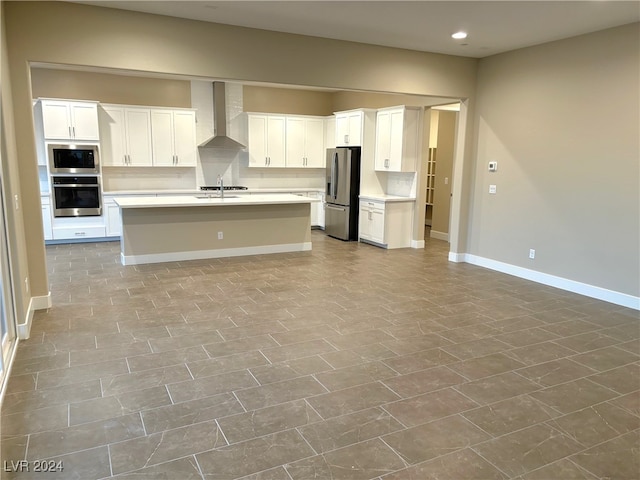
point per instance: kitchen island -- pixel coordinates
(168, 228)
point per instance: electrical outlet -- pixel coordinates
(220, 236)
(26, 284)
(532, 253)
(493, 189)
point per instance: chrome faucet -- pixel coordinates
(221, 184)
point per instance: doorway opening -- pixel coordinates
(438, 164)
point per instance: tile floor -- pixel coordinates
(347, 362)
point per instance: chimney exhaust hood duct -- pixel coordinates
(220, 138)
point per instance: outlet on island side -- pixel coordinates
(532, 253)
(220, 236)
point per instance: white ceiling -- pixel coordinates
(493, 26)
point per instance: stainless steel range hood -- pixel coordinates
(220, 139)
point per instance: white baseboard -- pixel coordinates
(457, 257)
(592, 291)
(7, 370)
(417, 243)
(36, 303)
(216, 253)
(439, 235)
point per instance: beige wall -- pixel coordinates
(109, 88)
(284, 100)
(153, 231)
(348, 100)
(562, 120)
(109, 38)
(18, 248)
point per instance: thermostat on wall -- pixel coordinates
(493, 166)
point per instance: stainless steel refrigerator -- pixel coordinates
(343, 188)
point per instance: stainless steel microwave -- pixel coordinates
(76, 159)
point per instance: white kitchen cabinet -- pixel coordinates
(317, 210)
(112, 221)
(329, 133)
(126, 136)
(385, 224)
(79, 232)
(266, 140)
(349, 128)
(397, 139)
(173, 134)
(371, 222)
(304, 142)
(68, 120)
(46, 217)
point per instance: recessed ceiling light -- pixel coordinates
(459, 35)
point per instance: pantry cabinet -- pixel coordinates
(304, 142)
(69, 120)
(173, 138)
(126, 136)
(266, 135)
(397, 139)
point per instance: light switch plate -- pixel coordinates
(493, 166)
(492, 189)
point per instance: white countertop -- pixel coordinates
(386, 198)
(192, 201)
(196, 191)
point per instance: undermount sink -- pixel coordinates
(216, 197)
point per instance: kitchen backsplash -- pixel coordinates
(401, 184)
(130, 178)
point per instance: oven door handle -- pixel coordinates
(74, 185)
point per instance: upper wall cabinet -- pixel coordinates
(173, 134)
(69, 120)
(126, 136)
(349, 128)
(266, 140)
(397, 139)
(305, 142)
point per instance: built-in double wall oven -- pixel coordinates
(75, 180)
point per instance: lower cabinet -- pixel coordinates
(78, 232)
(46, 218)
(317, 208)
(386, 224)
(371, 222)
(112, 221)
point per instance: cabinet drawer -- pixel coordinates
(370, 205)
(67, 233)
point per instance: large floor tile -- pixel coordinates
(347, 361)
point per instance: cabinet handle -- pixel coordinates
(386, 163)
(69, 132)
(80, 234)
(346, 139)
(370, 215)
(74, 131)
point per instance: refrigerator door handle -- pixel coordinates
(331, 207)
(334, 176)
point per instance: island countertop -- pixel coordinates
(213, 201)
